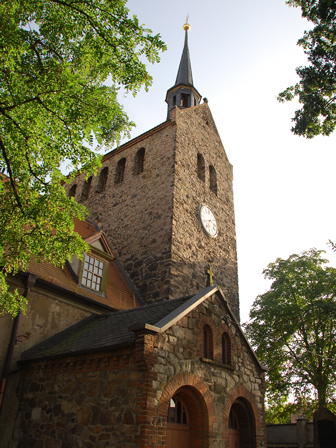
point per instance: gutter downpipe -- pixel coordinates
(29, 283)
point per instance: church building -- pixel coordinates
(153, 355)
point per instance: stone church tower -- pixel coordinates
(157, 358)
(165, 199)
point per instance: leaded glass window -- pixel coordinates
(93, 273)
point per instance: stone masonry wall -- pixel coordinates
(192, 250)
(122, 398)
(82, 402)
(151, 218)
(136, 214)
(180, 362)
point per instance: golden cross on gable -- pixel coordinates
(211, 275)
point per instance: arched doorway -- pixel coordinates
(187, 420)
(241, 425)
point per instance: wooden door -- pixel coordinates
(177, 435)
(234, 439)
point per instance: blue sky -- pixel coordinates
(243, 54)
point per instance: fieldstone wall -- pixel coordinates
(192, 250)
(83, 402)
(122, 398)
(180, 363)
(136, 214)
(151, 217)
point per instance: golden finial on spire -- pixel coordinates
(186, 26)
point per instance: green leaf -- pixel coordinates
(293, 329)
(55, 101)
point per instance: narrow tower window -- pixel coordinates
(184, 100)
(120, 171)
(200, 167)
(226, 349)
(72, 191)
(174, 100)
(139, 161)
(86, 189)
(213, 179)
(102, 180)
(207, 342)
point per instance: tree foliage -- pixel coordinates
(61, 64)
(316, 89)
(293, 328)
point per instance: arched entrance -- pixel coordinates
(241, 425)
(187, 420)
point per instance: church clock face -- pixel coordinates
(208, 221)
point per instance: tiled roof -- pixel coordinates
(119, 292)
(85, 228)
(104, 331)
(116, 329)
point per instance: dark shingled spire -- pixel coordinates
(184, 74)
(183, 94)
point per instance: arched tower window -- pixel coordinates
(213, 179)
(207, 342)
(200, 167)
(120, 171)
(86, 189)
(226, 349)
(102, 180)
(139, 161)
(72, 191)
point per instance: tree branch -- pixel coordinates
(36, 98)
(11, 177)
(90, 19)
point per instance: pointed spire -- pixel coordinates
(183, 93)
(184, 74)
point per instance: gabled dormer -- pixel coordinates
(92, 271)
(183, 94)
(98, 274)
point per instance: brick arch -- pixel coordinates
(240, 393)
(200, 405)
